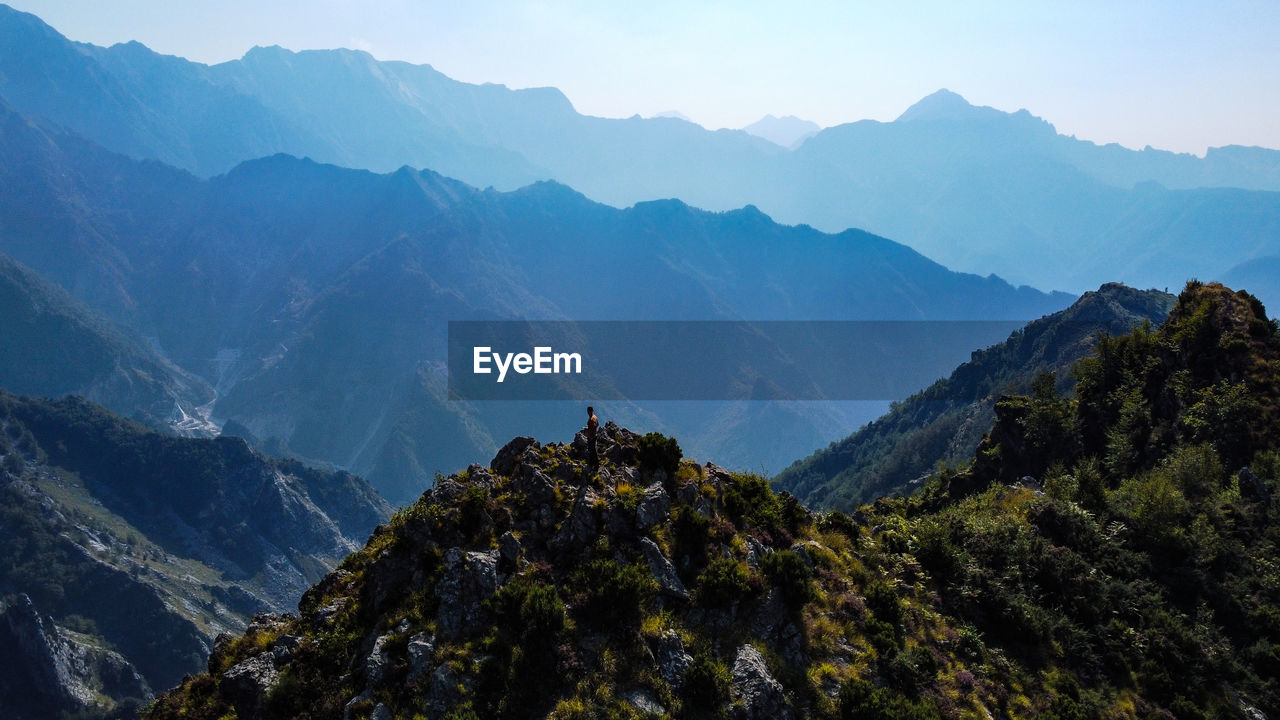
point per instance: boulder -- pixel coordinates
(643, 701)
(670, 656)
(378, 662)
(247, 683)
(478, 474)
(663, 571)
(716, 476)
(654, 507)
(421, 651)
(756, 551)
(803, 548)
(504, 463)
(284, 648)
(756, 694)
(508, 550)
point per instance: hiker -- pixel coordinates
(592, 423)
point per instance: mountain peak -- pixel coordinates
(787, 131)
(941, 105)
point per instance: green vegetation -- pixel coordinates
(659, 452)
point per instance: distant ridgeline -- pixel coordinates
(1109, 553)
(124, 552)
(944, 423)
(313, 299)
(974, 188)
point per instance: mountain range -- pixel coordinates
(314, 299)
(974, 188)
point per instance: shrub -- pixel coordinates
(787, 572)
(724, 581)
(474, 521)
(614, 595)
(529, 612)
(838, 522)
(691, 532)
(748, 499)
(706, 684)
(860, 700)
(659, 452)
(883, 602)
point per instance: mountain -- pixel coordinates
(1135, 583)
(787, 131)
(942, 424)
(315, 299)
(56, 346)
(126, 552)
(974, 188)
(1260, 275)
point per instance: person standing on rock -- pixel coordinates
(593, 423)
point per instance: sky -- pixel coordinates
(1174, 74)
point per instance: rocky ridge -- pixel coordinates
(1084, 565)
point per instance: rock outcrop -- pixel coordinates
(48, 670)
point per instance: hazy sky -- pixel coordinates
(1175, 75)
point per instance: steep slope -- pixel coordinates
(977, 189)
(56, 346)
(315, 299)
(187, 537)
(1133, 586)
(944, 423)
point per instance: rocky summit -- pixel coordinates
(537, 586)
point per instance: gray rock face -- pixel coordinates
(716, 476)
(539, 491)
(448, 688)
(663, 571)
(756, 695)
(671, 658)
(643, 701)
(508, 550)
(654, 508)
(247, 683)
(421, 651)
(51, 671)
(772, 623)
(689, 493)
(803, 550)
(469, 578)
(447, 491)
(583, 522)
(756, 551)
(504, 463)
(284, 647)
(378, 661)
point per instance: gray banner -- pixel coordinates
(712, 360)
